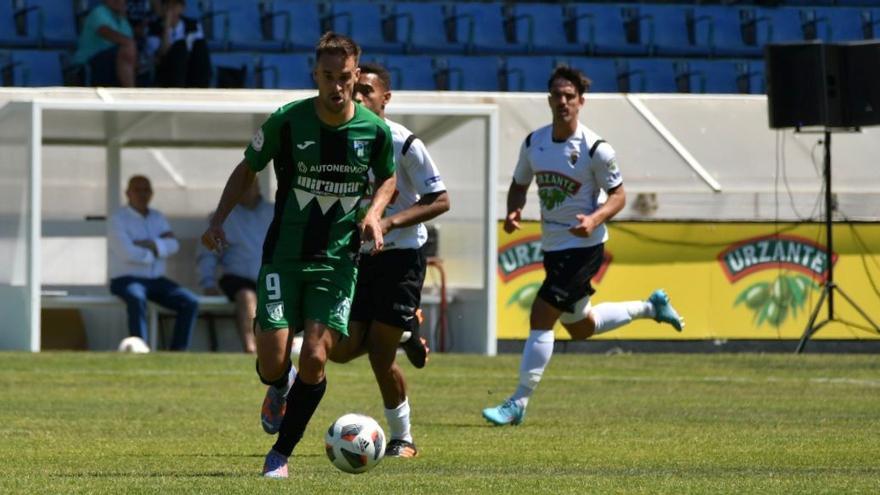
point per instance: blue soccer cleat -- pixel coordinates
(275, 405)
(663, 310)
(510, 412)
(275, 465)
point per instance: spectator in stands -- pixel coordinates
(239, 260)
(140, 240)
(177, 46)
(106, 46)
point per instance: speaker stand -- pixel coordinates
(829, 287)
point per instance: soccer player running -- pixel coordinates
(389, 284)
(323, 148)
(571, 165)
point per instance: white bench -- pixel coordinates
(63, 300)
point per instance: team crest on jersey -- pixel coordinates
(258, 140)
(573, 157)
(554, 188)
(342, 309)
(361, 148)
(275, 310)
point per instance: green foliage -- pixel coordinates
(772, 302)
(643, 424)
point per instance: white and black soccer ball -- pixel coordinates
(355, 443)
(135, 345)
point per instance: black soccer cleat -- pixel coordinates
(416, 349)
(401, 448)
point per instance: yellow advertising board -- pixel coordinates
(749, 281)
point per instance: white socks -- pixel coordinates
(536, 356)
(398, 421)
(609, 316)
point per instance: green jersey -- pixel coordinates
(322, 174)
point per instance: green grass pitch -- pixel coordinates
(189, 423)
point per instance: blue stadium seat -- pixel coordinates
(676, 30)
(728, 28)
(528, 72)
(370, 24)
(297, 22)
(608, 29)
(648, 75)
(785, 24)
(471, 72)
(237, 25)
(422, 26)
(603, 72)
(284, 71)
(729, 76)
(35, 67)
(18, 25)
(411, 72)
(833, 24)
(228, 67)
(542, 28)
(485, 28)
(55, 21)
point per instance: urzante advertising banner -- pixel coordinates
(728, 280)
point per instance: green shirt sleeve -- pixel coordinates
(264, 144)
(382, 161)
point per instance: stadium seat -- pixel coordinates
(470, 73)
(648, 75)
(728, 25)
(729, 76)
(297, 22)
(55, 21)
(542, 28)
(34, 67)
(607, 29)
(835, 24)
(411, 72)
(485, 28)
(785, 25)
(17, 27)
(422, 27)
(372, 25)
(233, 70)
(284, 71)
(236, 25)
(676, 30)
(528, 72)
(603, 72)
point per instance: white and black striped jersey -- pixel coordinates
(570, 176)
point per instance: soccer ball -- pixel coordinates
(355, 443)
(135, 345)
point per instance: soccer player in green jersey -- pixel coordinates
(322, 148)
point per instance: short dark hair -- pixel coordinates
(381, 72)
(577, 78)
(337, 44)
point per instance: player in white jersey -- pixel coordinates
(571, 166)
(389, 284)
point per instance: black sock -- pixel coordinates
(281, 382)
(302, 401)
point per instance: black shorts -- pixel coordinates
(568, 275)
(389, 287)
(231, 284)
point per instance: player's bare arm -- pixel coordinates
(371, 227)
(428, 207)
(239, 181)
(516, 199)
(586, 224)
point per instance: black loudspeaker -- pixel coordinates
(802, 86)
(860, 89)
(818, 84)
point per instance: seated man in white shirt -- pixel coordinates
(140, 240)
(239, 261)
